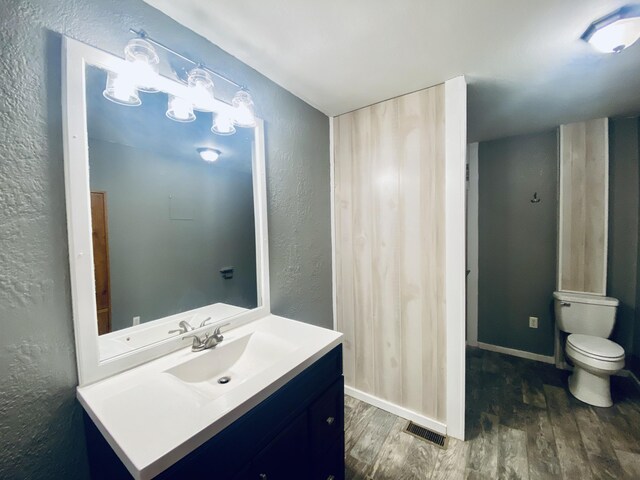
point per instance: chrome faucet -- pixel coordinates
(184, 327)
(209, 340)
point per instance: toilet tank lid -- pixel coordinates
(575, 297)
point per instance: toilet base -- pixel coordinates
(590, 388)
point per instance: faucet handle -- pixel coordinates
(217, 333)
(198, 343)
(204, 322)
(185, 326)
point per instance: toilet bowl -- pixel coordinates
(589, 320)
(595, 359)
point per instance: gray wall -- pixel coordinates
(623, 226)
(517, 241)
(164, 261)
(517, 275)
(41, 431)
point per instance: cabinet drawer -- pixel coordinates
(326, 418)
(330, 465)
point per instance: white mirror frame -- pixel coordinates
(76, 56)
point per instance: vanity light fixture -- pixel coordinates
(243, 104)
(121, 89)
(616, 31)
(141, 73)
(180, 110)
(209, 154)
(143, 62)
(222, 125)
(201, 88)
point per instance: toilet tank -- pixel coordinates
(585, 313)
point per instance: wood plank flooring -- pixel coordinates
(522, 423)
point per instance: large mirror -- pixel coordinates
(166, 217)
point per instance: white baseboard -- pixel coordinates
(517, 353)
(427, 422)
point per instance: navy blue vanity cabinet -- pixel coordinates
(297, 433)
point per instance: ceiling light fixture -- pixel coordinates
(209, 154)
(140, 73)
(616, 31)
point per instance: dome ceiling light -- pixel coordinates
(616, 31)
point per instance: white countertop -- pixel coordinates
(152, 418)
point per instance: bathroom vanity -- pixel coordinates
(278, 412)
(167, 393)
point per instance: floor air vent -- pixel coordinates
(427, 435)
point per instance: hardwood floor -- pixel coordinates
(522, 423)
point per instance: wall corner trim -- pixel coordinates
(455, 234)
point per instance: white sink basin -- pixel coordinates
(236, 360)
(155, 414)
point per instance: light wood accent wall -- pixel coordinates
(389, 178)
(584, 204)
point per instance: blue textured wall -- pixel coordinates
(40, 423)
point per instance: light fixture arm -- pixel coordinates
(142, 34)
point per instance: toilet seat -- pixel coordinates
(596, 348)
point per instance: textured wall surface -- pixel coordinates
(40, 428)
(517, 241)
(623, 225)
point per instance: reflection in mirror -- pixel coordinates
(173, 222)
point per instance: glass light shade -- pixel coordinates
(616, 36)
(209, 154)
(244, 116)
(180, 110)
(223, 125)
(143, 63)
(201, 88)
(121, 89)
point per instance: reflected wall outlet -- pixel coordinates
(533, 322)
(136, 320)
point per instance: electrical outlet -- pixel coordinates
(136, 320)
(533, 322)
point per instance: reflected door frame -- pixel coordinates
(101, 266)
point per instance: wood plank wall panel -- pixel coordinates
(390, 249)
(584, 163)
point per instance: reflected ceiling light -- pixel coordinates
(209, 154)
(223, 125)
(243, 103)
(180, 110)
(201, 88)
(143, 63)
(121, 89)
(616, 31)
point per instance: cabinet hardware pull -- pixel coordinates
(330, 420)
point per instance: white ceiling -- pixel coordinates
(526, 67)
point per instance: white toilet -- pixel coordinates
(589, 319)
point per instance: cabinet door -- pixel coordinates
(330, 464)
(326, 418)
(286, 457)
